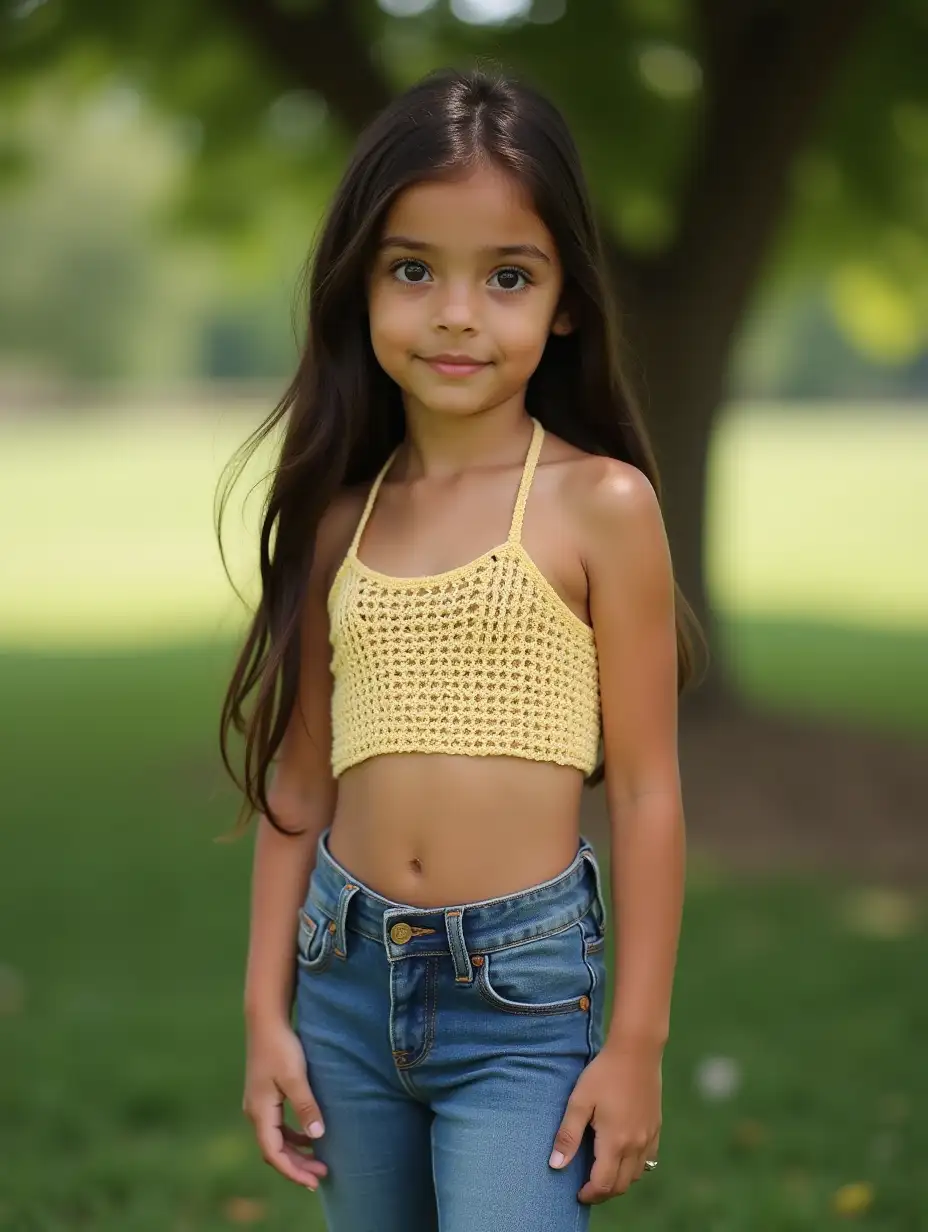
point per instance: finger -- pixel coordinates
(303, 1144)
(570, 1132)
(630, 1170)
(296, 1089)
(601, 1184)
(306, 1165)
(286, 1160)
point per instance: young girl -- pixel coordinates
(466, 592)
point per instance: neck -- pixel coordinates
(441, 446)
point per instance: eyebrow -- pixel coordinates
(506, 250)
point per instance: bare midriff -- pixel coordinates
(434, 830)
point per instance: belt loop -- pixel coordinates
(454, 925)
(589, 854)
(341, 913)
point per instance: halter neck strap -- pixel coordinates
(369, 503)
(528, 472)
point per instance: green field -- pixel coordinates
(813, 517)
(122, 924)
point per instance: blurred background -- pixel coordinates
(760, 169)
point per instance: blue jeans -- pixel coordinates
(442, 1044)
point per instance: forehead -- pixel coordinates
(483, 207)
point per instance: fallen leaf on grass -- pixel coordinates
(12, 991)
(895, 1106)
(881, 912)
(749, 1134)
(797, 1183)
(855, 1199)
(885, 1146)
(226, 1150)
(245, 1210)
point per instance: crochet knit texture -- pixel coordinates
(484, 659)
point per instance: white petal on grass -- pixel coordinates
(718, 1078)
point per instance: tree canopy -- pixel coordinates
(730, 145)
(269, 88)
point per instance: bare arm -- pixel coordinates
(302, 797)
(632, 608)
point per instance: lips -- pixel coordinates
(449, 364)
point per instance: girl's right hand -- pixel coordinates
(275, 1071)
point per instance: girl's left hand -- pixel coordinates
(619, 1092)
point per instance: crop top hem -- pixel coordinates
(560, 759)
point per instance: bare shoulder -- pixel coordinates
(610, 503)
(615, 495)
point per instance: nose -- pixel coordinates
(455, 310)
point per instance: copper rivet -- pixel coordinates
(477, 960)
(584, 1003)
(332, 926)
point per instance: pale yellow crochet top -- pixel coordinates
(483, 659)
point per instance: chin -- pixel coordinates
(449, 401)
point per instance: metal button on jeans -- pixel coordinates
(400, 933)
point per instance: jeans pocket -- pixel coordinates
(543, 975)
(315, 941)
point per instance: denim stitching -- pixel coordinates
(486, 990)
(560, 928)
(431, 994)
(517, 1007)
(589, 1021)
(315, 966)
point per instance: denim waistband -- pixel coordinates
(487, 924)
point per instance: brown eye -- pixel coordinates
(510, 279)
(411, 271)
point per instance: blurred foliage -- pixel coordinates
(104, 277)
(259, 149)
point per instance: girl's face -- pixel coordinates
(464, 291)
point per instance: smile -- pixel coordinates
(454, 365)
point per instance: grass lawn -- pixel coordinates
(795, 1083)
(811, 517)
(123, 930)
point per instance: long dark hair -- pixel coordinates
(344, 415)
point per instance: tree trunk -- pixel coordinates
(770, 65)
(684, 359)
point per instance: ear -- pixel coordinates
(562, 324)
